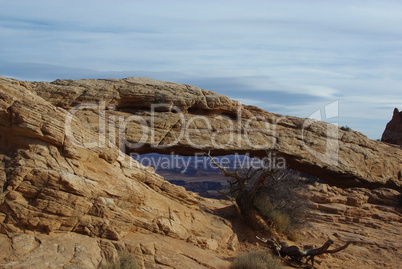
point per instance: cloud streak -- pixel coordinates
(292, 56)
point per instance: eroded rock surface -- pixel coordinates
(87, 198)
(144, 115)
(370, 219)
(71, 199)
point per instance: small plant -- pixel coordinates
(346, 128)
(126, 261)
(281, 201)
(265, 195)
(255, 260)
(281, 221)
(294, 235)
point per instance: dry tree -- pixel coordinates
(262, 193)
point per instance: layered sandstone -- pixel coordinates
(144, 115)
(370, 219)
(71, 198)
(393, 131)
(71, 206)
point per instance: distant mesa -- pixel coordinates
(393, 131)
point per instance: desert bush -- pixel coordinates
(126, 261)
(255, 260)
(281, 201)
(262, 194)
(294, 235)
(280, 220)
(262, 203)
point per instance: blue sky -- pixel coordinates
(287, 57)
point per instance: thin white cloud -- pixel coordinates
(251, 102)
(310, 51)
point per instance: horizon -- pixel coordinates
(285, 57)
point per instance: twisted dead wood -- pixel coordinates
(295, 253)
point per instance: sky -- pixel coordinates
(287, 57)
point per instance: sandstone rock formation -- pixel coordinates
(393, 131)
(145, 115)
(370, 219)
(72, 206)
(70, 198)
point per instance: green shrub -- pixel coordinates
(126, 261)
(256, 260)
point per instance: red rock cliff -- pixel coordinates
(393, 131)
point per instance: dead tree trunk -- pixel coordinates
(295, 253)
(242, 191)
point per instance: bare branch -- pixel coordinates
(338, 249)
(226, 173)
(320, 250)
(238, 211)
(250, 169)
(259, 181)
